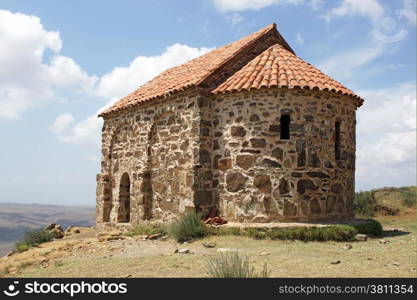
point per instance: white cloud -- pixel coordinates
(316, 4)
(25, 79)
(64, 72)
(342, 65)
(233, 5)
(235, 18)
(116, 84)
(241, 5)
(387, 137)
(62, 123)
(123, 80)
(299, 39)
(366, 8)
(408, 11)
(83, 133)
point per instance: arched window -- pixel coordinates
(123, 215)
(285, 127)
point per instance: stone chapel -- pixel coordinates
(248, 130)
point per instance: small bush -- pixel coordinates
(409, 197)
(339, 233)
(21, 247)
(148, 228)
(33, 238)
(212, 230)
(187, 228)
(232, 265)
(364, 203)
(255, 233)
(307, 234)
(371, 228)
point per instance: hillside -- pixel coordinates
(401, 198)
(16, 219)
(85, 255)
(386, 201)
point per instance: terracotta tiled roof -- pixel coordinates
(278, 67)
(186, 75)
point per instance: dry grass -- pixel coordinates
(137, 258)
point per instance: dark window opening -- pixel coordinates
(285, 127)
(337, 140)
(124, 200)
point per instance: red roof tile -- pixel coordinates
(186, 75)
(276, 66)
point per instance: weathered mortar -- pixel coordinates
(155, 145)
(191, 151)
(261, 178)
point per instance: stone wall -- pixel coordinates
(156, 145)
(260, 177)
(198, 151)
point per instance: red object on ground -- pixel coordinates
(215, 221)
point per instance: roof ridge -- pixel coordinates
(220, 70)
(292, 72)
(262, 31)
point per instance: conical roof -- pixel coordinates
(273, 65)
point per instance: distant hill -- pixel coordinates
(16, 219)
(397, 197)
(386, 201)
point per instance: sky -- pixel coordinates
(61, 62)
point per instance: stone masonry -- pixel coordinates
(267, 154)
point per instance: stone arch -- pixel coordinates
(161, 187)
(123, 214)
(119, 135)
(107, 204)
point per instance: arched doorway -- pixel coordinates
(123, 215)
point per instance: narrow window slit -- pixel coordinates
(285, 127)
(337, 140)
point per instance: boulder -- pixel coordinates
(361, 237)
(56, 230)
(209, 244)
(154, 236)
(183, 251)
(110, 236)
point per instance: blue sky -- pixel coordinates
(63, 61)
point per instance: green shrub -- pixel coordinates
(33, 238)
(20, 247)
(409, 197)
(339, 233)
(232, 265)
(371, 228)
(364, 203)
(148, 228)
(328, 233)
(256, 233)
(187, 228)
(213, 230)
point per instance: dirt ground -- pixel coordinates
(392, 255)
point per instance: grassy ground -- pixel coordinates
(137, 258)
